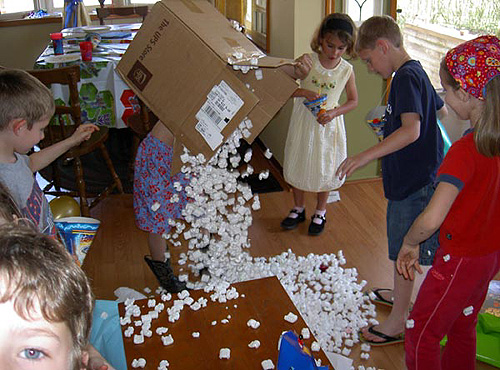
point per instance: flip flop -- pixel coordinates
(387, 339)
(379, 298)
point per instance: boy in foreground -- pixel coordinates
(45, 304)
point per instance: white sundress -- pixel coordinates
(314, 152)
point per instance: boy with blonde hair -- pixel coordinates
(26, 107)
(411, 153)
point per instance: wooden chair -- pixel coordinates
(56, 132)
(103, 13)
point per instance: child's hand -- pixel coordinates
(93, 360)
(325, 116)
(407, 261)
(310, 95)
(351, 164)
(83, 133)
(302, 66)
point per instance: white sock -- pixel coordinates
(295, 215)
(319, 213)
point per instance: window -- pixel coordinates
(359, 10)
(16, 6)
(432, 27)
(19, 7)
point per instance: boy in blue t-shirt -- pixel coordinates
(411, 153)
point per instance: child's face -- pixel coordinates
(332, 48)
(376, 61)
(32, 137)
(455, 98)
(33, 344)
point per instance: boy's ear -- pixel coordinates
(18, 125)
(382, 45)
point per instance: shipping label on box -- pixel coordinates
(221, 106)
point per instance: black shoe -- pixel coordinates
(314, 228)
(165, 275)
(291, 223)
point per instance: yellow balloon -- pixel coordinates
(64, 206)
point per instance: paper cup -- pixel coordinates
(376, 121)
(86, 50)
(77, 234)
(315, 106)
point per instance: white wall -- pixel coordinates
(21, 45)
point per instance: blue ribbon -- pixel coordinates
(71, 11)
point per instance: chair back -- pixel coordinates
(103, 13)
(69, 76)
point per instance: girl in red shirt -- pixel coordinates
(466, 209)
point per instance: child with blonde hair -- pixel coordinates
(316, 145)
(466, 209)
(26, 107)
(411, 152)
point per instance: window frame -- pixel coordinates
(49, 6)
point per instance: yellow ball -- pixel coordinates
(64, 206)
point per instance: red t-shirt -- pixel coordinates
(472, 226)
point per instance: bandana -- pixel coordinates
(474, 63)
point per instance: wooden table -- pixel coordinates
(105, 98)
(264, 300)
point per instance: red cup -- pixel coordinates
(86, 50)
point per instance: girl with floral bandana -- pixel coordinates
(466, 209)
(316, 143)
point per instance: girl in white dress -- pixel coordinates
(316, 144)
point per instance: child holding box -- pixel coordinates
(315, 146)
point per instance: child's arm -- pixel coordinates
(423, 227)
(46, 156)
(305, 93)
(442, 113)
(403, 136)
(300, 69)
(349, 105)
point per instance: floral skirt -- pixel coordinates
(153, 185)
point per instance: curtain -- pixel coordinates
(75, 14)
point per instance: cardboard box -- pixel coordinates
(178, 65)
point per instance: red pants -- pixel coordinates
(448, 290)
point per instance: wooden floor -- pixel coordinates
(356, 225)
